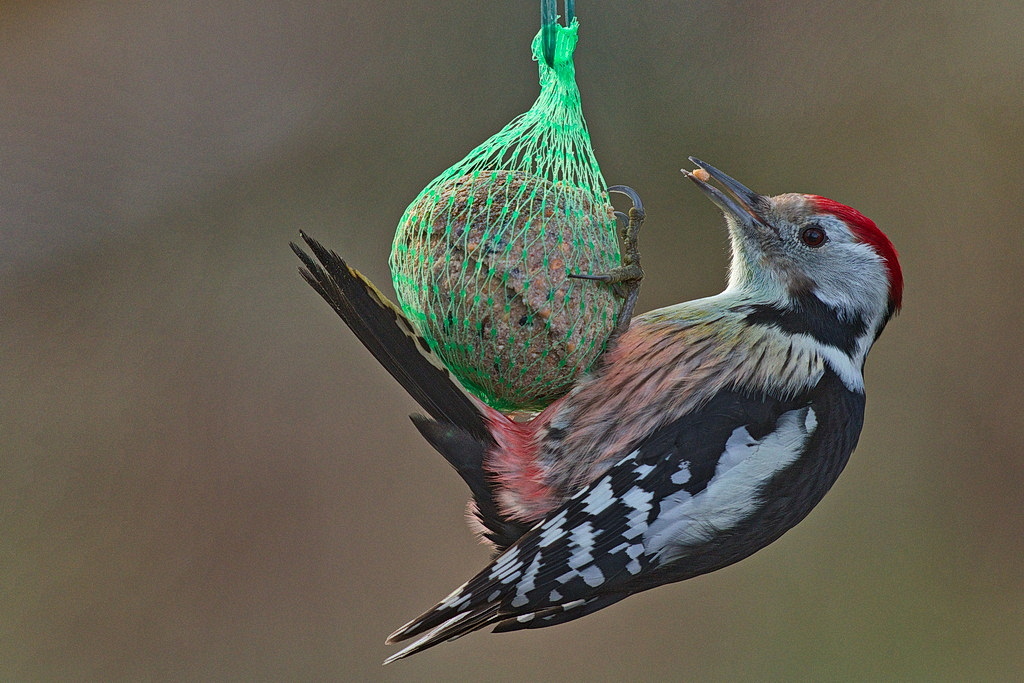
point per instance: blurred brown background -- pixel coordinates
(205, 477)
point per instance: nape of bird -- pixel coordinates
(706, 430)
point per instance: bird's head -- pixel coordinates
(792, 246)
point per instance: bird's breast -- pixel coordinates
(659, 371)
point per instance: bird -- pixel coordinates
(706, 430)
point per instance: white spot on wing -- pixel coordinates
(638, 499)
(582, 539)
(682, 475)
(526, 582)
(731, 495)
(509, 558)
(507, 572)
(550, 535)
(810, 422)
(462, 600)
(641, 471)
(552, 530)
(736, 450)
(599, 498)
(633, 551)
(636, 524)
(640, 502)
(566, 577)
(592, 576)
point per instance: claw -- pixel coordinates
(602, 277)
(631, 193)
(626, 278)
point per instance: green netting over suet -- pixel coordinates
(481, 257)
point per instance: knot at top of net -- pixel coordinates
(554, 45)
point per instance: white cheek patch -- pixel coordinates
(746, 465)
(849, 373)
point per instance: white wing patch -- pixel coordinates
(731, 495)
(639, 501)
(592, 576)
(599, 498)
(553, 529)
(582, 538)
(681, 475)
(505, 566)
(525, 583)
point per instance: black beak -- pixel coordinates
(742, 203)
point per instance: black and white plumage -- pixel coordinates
(700, 494)
(707, 430)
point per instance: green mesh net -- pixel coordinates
(481, 257)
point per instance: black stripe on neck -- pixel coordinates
(813, 317)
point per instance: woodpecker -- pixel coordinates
(706, 430)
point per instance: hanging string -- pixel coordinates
(548, 24)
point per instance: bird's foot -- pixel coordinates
(625, 279)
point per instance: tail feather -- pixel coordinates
(389, 336)
(466, 455)
(455, 627)
(462, 610)
(459, 430)
(489, 598)
(559, 614)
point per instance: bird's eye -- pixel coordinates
(813, 236)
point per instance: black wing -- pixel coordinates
(680, 505)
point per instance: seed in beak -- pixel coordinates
(701, 175)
